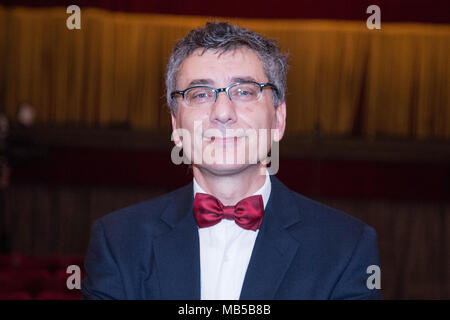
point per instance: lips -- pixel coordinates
(222, 139)
(223, 136)
(226, 140)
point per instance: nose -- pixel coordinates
(223, 110)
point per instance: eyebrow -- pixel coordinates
(240, 79)
(197, 82)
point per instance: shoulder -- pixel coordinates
(335, 243)
(324, 222)
(315, 212)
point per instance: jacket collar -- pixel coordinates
(274, 247)
(177, 250)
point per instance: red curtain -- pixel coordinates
(391, 10)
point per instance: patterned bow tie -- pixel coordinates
(247, 213)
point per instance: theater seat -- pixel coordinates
(51, 263)
(55, 295)
(18, 295)
(9, 283)
(20, 279)
(27, 277)
(58, 282)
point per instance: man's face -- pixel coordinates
(217, 138)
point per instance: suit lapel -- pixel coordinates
(177, 251)
(274, 247)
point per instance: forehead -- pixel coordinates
(219, 68)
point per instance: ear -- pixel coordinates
(280, 121)
(175, 136)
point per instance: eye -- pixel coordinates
(245, 92)
(242, 92)
(199, 95)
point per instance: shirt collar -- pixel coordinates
(264, 191)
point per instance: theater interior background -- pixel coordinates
(84, 128)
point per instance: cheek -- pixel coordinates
(187, 119)
(262, 117)
(249, 110)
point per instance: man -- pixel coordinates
(235, 232)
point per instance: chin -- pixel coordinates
(225, 169)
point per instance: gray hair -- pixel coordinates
(223, 37)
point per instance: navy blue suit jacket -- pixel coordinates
(304, 250)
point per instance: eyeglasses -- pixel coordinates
(242, 92)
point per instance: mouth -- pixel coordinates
(231, 139)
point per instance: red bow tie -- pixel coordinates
(247, 213)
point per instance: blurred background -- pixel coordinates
(84, 128)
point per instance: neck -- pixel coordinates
(231, 188)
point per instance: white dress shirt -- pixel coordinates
(225, 251)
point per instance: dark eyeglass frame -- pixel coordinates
(226, 90)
